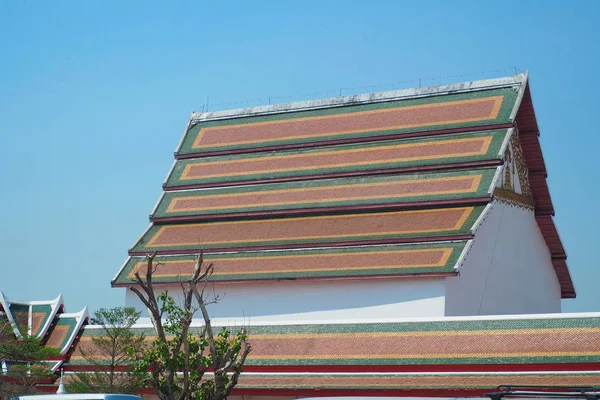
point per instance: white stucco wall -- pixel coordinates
(339, 300)
(508, 269)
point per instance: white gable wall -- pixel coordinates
(339, 300)
(508, 269)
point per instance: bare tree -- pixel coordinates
(180, 356)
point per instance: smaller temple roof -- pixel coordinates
(47, 321)
(32, 318)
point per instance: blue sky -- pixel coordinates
(94, 97)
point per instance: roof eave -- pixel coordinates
(528, 129)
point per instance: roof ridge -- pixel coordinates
(390, 95)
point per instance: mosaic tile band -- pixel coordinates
(304, 230)
(338, 159)
(489, 342)
(392, 260)
(376, 119)
(327, 193)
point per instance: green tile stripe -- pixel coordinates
(141, 247)
(180, 165)
(509, 94)
(41, 308)
(457, 248)
(258, 190)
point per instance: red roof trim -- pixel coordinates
(396, 368)
(544, 209)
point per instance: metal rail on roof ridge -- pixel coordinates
(516, 70)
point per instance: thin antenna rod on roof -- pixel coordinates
(207, 103)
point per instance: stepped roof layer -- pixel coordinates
(445, 355)
(386, 184)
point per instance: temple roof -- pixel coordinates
(446, 354)
(46, 320)
(33, 318)
(300, 189)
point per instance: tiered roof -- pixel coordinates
(387, 184)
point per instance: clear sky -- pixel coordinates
(94, 97)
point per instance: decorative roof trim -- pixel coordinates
(55, 364)
(187, 127)
(160, 198)
(524, 83)
(463, 255)
(119, 272)
(6, 305)
(495, 180)
(481, 217)
(505, 143)
(514, 199)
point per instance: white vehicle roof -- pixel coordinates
(79, 396)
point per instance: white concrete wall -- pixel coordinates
(339, 300)
(508, 269)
